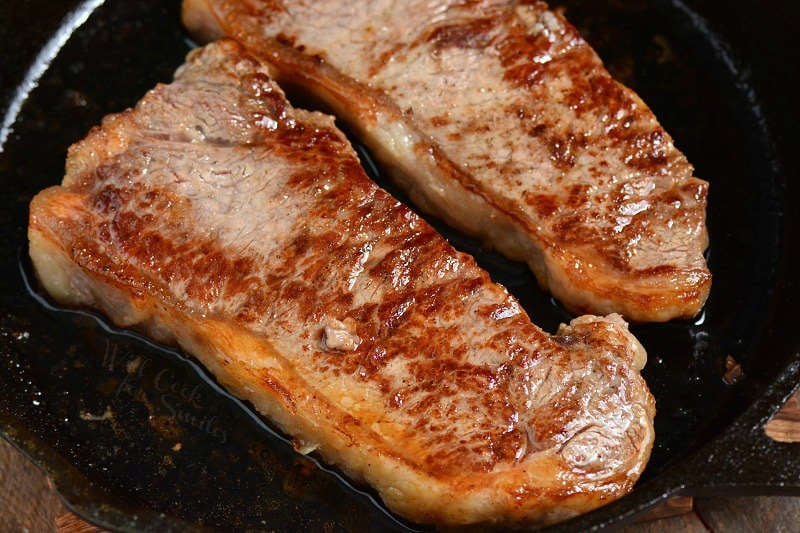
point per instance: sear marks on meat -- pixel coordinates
(497, 117)
(216, 217)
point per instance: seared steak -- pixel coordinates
(217, 217)
(497, 117)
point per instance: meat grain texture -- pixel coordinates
(499, 118)
(216, 217)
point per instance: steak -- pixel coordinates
(498, 118)
(216, 217)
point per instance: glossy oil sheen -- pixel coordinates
(178, 445)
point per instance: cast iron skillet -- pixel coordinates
(137, 437)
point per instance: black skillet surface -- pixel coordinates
(137, 437)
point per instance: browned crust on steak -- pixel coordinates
(595, 197)
(217, 217)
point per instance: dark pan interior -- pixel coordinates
(136, 436)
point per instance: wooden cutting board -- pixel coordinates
(29, 503)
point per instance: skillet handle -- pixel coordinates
(744, 461)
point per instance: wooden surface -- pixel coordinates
(29, 503)
(785, 426)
